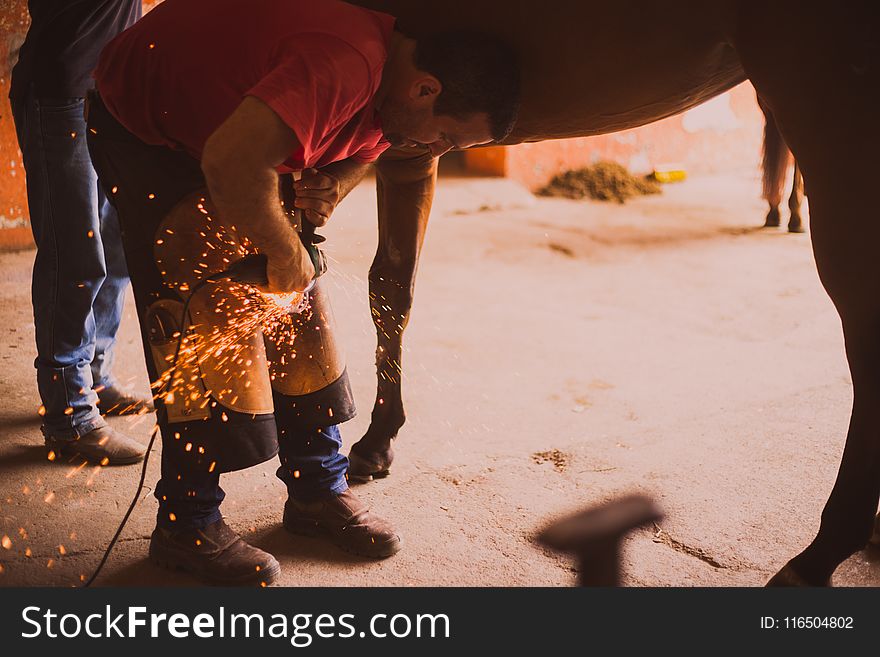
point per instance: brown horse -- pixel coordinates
(775, 160)
(596, 67)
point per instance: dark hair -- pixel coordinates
(479, 74)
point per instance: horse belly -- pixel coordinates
(595, 67)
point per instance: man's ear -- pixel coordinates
(425, 88)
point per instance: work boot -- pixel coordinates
(113, 400)
(346, 521)
(103, 446)
(215, 555)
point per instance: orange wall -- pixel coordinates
(15, 232)
(722, 135)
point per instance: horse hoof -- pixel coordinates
(772, 219)
(796, 229)
(362, 470)
(789, 577)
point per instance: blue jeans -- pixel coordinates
(311, 465)
(79, 277)
(189, 491)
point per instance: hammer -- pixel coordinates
(594, 535)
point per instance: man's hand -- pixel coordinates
(291, 275)
(317, 195)
(319, 191)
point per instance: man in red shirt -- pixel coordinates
(198, 109)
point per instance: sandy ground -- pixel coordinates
(559, 353)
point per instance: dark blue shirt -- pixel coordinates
(63, 43)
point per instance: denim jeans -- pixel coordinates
(189, 491)
(79, 277)
(311, 465)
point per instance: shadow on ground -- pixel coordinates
(291, 551)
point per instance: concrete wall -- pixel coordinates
(721, 135)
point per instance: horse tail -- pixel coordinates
(775, 158)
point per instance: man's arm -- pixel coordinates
(239, 162)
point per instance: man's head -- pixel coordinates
(452, 90)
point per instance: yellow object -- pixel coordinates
(669, 175)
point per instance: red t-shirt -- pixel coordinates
(178, 73)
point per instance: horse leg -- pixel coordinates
(822, 104)
(848, 517)
(795, 222)
(405, 181)
(774, 163)
(845, 233)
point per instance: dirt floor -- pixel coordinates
(559, 353)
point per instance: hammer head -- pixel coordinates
(594, 536)
(600, 524)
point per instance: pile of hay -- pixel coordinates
(604, 181)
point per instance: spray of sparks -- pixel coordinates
(228, 347)
(242, 312)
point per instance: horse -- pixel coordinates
(593, 67)
(775, 160)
